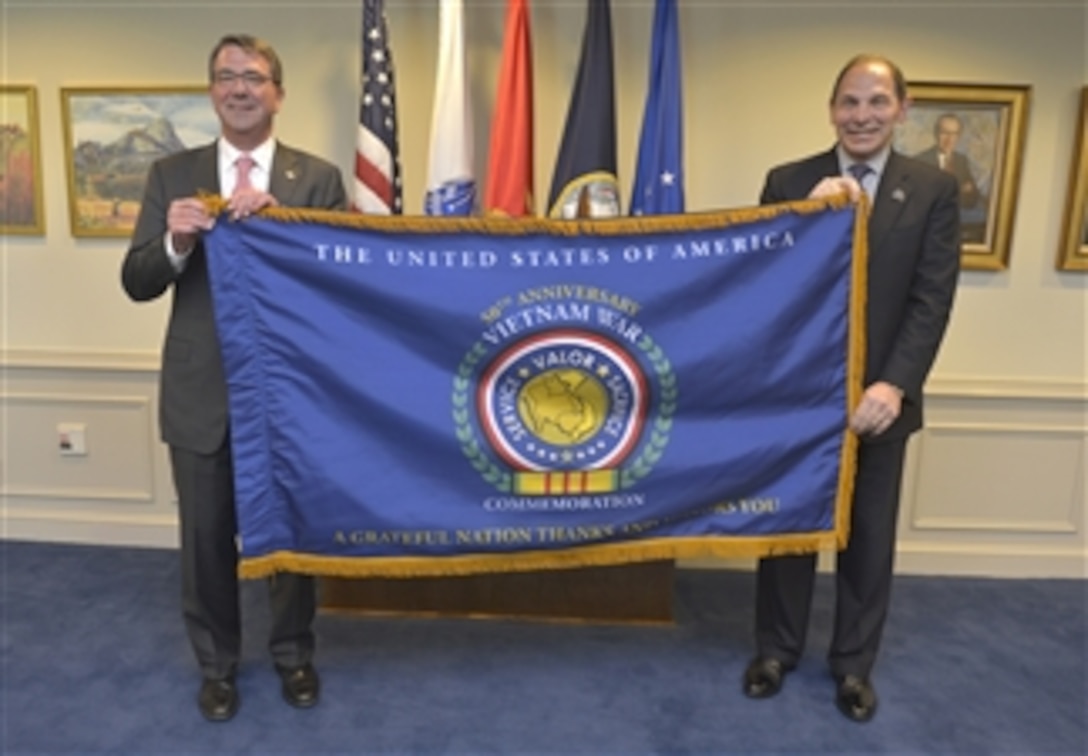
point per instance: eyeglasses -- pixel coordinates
(251, 79)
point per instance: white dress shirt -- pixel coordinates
(260, 176)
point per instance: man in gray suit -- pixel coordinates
(912, 273)
(250, 167)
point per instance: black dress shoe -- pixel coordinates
(218, 699)
(764, 676)
(301, 685)
(856, 698)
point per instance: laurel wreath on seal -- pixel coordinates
(659, 436)
(491, 472)
(503, 481)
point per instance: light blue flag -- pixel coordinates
(659, 175)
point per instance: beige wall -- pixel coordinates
(1000, 472)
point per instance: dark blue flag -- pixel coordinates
(584, 183)
(659, 176)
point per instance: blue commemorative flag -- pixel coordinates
(417, 396)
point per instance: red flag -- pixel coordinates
(510, 162)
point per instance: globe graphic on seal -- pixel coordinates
(563, 407)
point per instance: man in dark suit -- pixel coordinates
(250, 167)
(946, 134)
(912, 272)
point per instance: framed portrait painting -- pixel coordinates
(21, 210)
(975, 132)
(1073, 253)
(111, 138)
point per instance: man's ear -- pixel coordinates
(907, 103)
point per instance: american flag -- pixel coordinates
(377, 156)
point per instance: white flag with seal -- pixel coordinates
(451, 186)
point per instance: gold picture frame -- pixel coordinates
(111, 138)
(1073, 253)
(21, 207)
(977, 132)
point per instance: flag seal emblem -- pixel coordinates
(564, 411)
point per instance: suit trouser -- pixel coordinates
(209, 572)
(863, 575)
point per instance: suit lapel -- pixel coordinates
(283, 181)
(891, 198)
(206, 170)
(823, 166)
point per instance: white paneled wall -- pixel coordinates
(995, 482)
(994, 485)
(120, 491)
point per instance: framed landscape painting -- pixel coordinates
(111, 138)
(1073, 253)
(975, 132)
(20, 162)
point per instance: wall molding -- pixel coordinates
(69, 399)
(979, 525)
(1003, 560)
(990, 524)
(134, 401)
(980, 387)
(999, 561)
(119, 495)
(80, 360)
(943, 386)
(141, 529)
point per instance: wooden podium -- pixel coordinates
(640, 592)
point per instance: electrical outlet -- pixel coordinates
(72, 439)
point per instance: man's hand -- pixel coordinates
(834, 185)
(185, 220)
(245, 202)
(878, 409)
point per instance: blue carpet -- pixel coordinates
(94, 660)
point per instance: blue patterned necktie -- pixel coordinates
(859, 171)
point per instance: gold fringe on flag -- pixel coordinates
(526, 561)
(506, 226)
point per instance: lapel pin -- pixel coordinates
(290, 174)
(899, 195)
